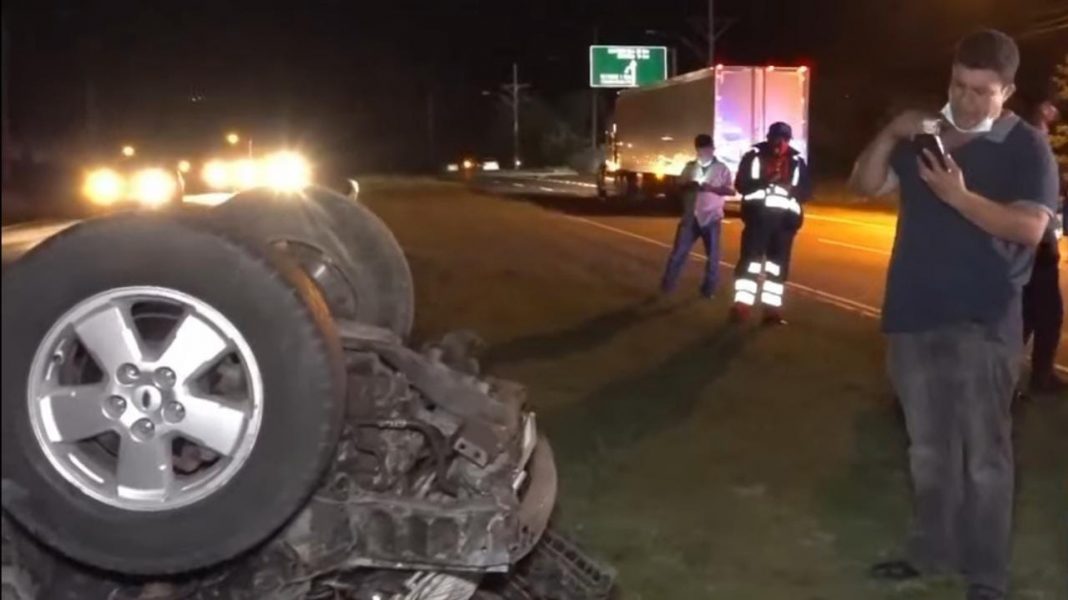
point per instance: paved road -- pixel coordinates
(840, 256)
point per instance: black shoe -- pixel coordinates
(896, 570)
(982, 592)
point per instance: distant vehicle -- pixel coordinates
(652, 136)
(470, 164)
(158, 183)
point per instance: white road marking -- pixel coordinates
(854, 246)
(828, 298)
(546, 188)
(838, 301)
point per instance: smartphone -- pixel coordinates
(933, 144)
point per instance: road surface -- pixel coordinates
(840, 256)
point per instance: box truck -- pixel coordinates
(651, 137)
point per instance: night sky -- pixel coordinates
(367, 80)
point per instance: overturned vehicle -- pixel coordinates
(221, 403)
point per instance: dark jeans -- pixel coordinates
(956, 386)
(1043, 309)
(688, 233)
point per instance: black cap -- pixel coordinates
(780, 130)
(702, 141)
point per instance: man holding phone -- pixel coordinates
(705, 182)
(967, 230)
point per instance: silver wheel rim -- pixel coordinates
(140, 416)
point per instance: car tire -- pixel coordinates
(347, 250)
(283, 323)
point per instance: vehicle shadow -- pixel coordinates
(626, 410)
(581, 338)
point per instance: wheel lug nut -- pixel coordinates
(165, 377)
(174, 412)
(115, 406)
(144, 429)
(129, 373)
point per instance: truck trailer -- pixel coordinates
(651, 137)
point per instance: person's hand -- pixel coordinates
(947, 183)
(908, 124)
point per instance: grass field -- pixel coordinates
(700, 459)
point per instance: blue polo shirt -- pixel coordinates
(944, 270)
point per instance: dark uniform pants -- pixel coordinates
(767, 243)
(1043, 308)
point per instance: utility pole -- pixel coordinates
(5, 107)
(430, 127)
(89, 46)
(515, 116)
(513, 88)
(711, 33)
(593, 107)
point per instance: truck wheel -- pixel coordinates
(170, 398)
(632, 189)
(344, 247)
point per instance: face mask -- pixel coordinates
(984, 126)
(704, 162)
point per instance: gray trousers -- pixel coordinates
(956, 386)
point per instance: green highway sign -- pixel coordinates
(627, 66)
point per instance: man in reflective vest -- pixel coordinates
(774, 182)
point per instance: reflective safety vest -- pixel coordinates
(775, 196)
